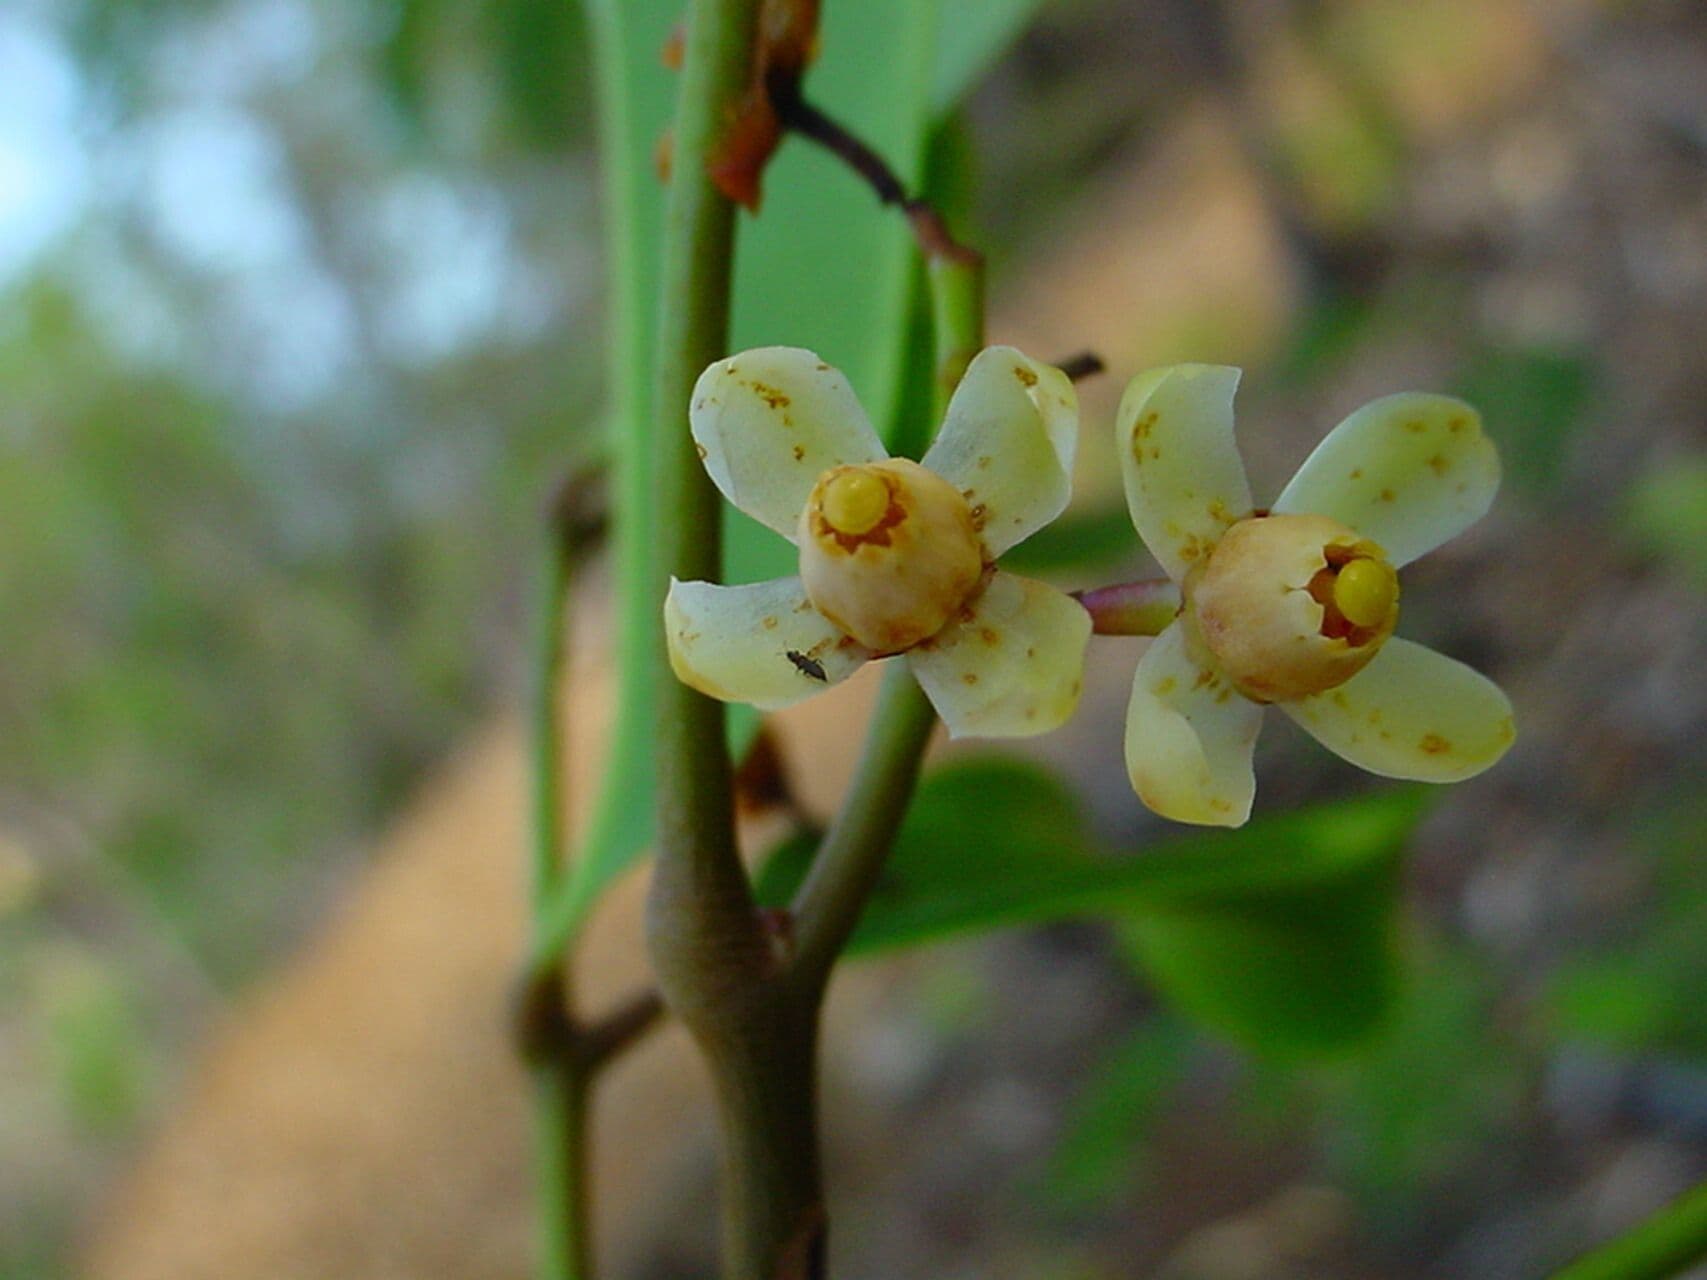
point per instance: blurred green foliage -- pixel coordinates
(1665, 514)
(1641, 991)
(1538, 400)
(1278, 934)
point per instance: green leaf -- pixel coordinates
(995, 841)
(1078, 540)
(1304, 970)
(1280, 934)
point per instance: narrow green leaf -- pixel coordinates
(995, 841)
(974, 34)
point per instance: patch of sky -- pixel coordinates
(240, 49)
(447, 250)
(43, 169)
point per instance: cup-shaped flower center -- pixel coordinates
(888, 552)
(855, 500)
(1291, 605)
(1365, 591)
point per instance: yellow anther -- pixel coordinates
(854, 502)
(1365, 592)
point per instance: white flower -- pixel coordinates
(895, 556)
(1295, 605)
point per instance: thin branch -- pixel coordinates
(929, 229)
(620, 1028)
(544, 1021)
(1085, 364)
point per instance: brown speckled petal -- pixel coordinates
(769, 422)
(1412, 713)
(763, 643)
(1007, 444)
(1185, 484)
(1407, 471)
(1012, 665)
(1189, 736)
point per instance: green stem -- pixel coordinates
(561, 1085)
(702, 924)
(1673, 1239)
(957, 310)
(718, 969)
(851, 857)
(561, 1074)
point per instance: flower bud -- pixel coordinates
(888, 552)
(1291, 605)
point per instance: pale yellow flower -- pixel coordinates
(896, 557)
(1295, 605)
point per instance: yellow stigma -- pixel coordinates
(854, 502)
(1365, 592)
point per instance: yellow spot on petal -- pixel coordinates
(1416, 426)
(969, 677)
(1439, 465)
(770, 623)
(1387, 495)
(1025, 375)
(1165, 686)
(1433, 744)
(988, 636)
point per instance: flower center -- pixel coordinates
(1365, 592)
(888, 552)
(854, 501)
(1292, 605)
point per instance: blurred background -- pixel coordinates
(300, 314)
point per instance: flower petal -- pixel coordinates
(1408, 471)
(1411, 713)
(769, 422)
(1012, 664)
(1184, 482)
(1189, 736)
(1007, 444)
(763, 643)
